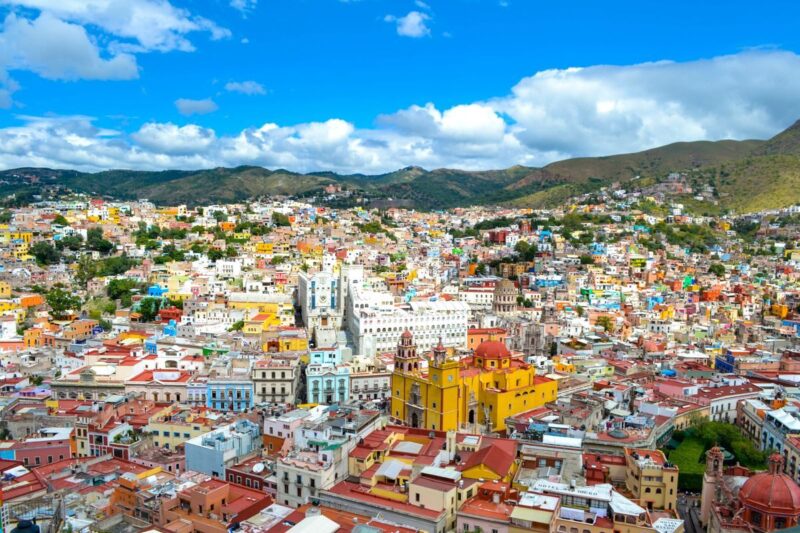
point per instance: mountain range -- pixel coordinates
(745, 176)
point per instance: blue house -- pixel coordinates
(156, 291)
(230, 394)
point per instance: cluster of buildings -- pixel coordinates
(285, 366)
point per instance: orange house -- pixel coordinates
(31, 300)
(33, 337)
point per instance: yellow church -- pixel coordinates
(475, 394)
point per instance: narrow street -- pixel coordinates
(689, 510)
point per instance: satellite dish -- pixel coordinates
(258, 468)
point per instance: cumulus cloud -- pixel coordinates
(169, 138)
(91, 39)
(414, 24)
(608, 109)
(550, 115)
(245, 87)
(187, 106)
(59, 50)
(144, 25)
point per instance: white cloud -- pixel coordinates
(550, 115)
(144, 25)
(187, 106)
(171, 139)
(414, 24)
(59, 50)
(245, 87)
(244, 6)
(91, 39)
(611, 109)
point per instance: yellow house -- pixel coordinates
(260, 323)
(284, 339)
(472, 394)
(264, 247)
(564, 367)
(8, 305)
(5, 289)
(173, 426)
(651, 479)
(279, 305)
(7, 237)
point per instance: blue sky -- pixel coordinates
(371, 85)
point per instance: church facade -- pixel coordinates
(476, 393)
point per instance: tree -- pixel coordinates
(586, 259)
(71, 242)
(114, 266)
(96, 242)
(122, 290)
(149, 308)
(717, 269)
(62, 301)
(237, 326)
(280, 220)
(606, 323)
(214, 254)
(60, 220)
(526, 251)
(87, 269)
(45, 253)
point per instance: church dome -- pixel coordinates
(771, 492)
(492, 350)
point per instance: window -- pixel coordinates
(416, 497)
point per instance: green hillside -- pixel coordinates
(746, 175)
(655, 162)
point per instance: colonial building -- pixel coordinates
(475, 393)
(505, 297)
(766, 501)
